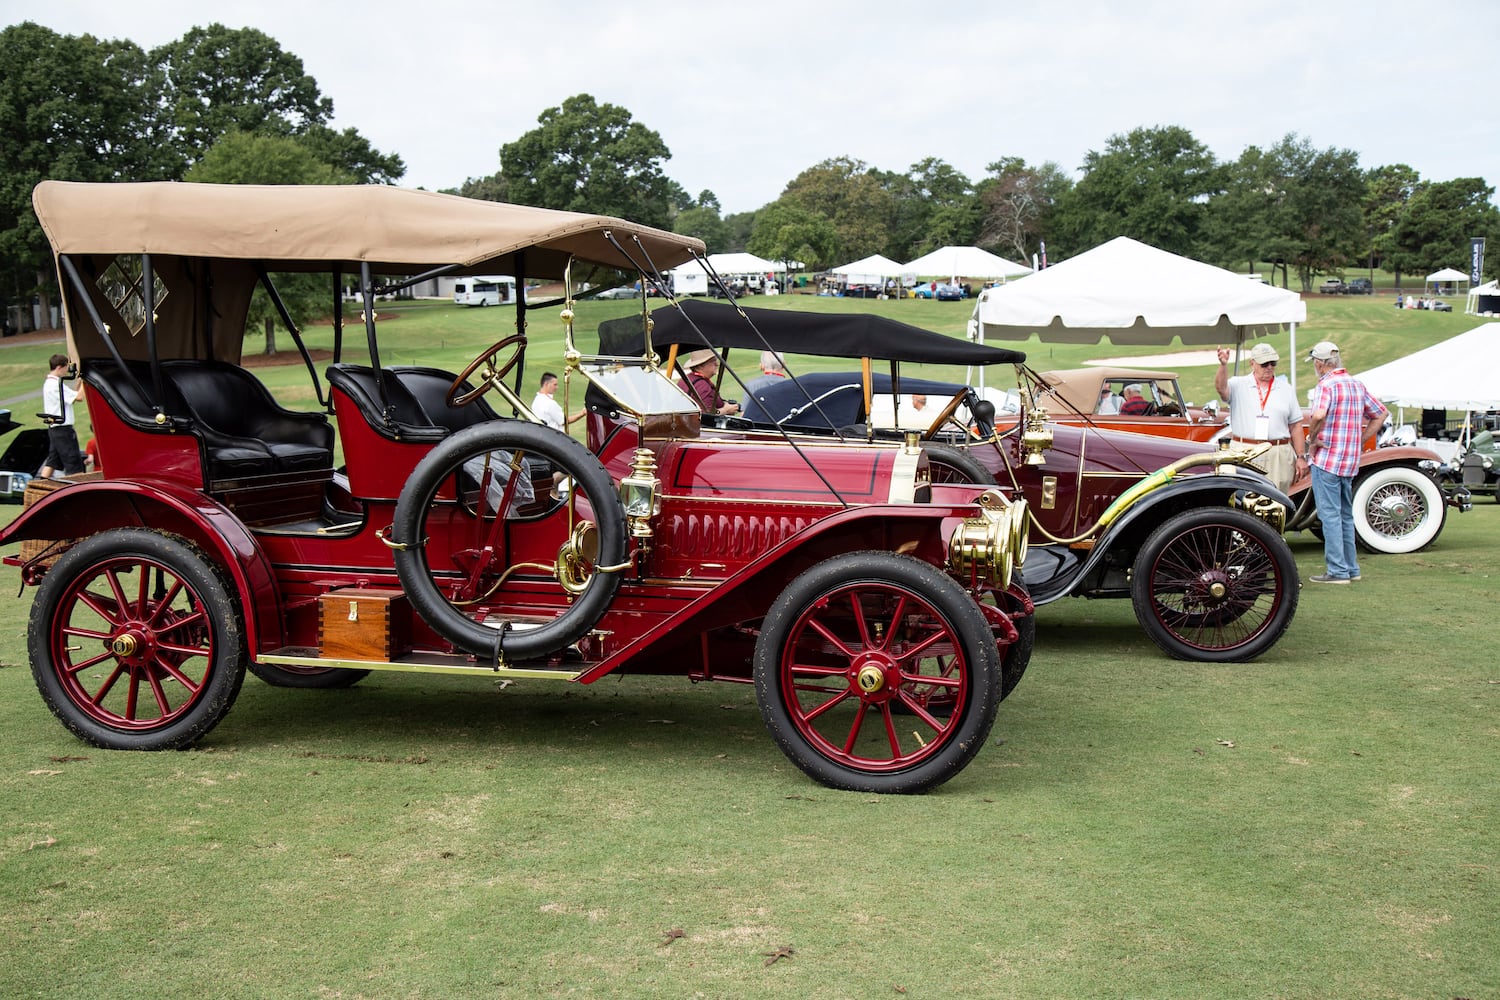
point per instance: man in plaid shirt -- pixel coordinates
(1344, 416)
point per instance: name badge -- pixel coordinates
(1262, 428)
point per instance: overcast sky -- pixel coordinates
(746, 97)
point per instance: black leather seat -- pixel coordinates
(245, 431)
(429, 386)
(399, 417)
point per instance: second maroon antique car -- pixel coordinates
(874, 611)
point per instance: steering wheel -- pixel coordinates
(946, 415)
(1151, 410)
(492, 375)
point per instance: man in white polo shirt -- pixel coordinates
(1264, 408)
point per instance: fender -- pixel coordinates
(1375, 458)
(119, 503)
(1130, 529)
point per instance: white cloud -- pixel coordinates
(746, 99)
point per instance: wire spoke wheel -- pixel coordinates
(1397, 509)
(1215, 584)
(877, 672)
(135, 643)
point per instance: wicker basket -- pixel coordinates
(43, 551)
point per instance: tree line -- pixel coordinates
(231, 106)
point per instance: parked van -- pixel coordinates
(483, 291)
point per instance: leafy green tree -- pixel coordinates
(217, 80)
(846, 193)
(1440, 218)
(954, 212)
(785, 230)
(245, 158)
(1239, 226)
(739, 226)
(1292, 205)
(1016, 204)
(71, 108)
(1388, 189)
(351, 154)
(491, 188)
(1316, 222)
(1151, 185)
(591, 157)
(221, 79)
(702, 220)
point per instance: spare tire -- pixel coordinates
(440, 518)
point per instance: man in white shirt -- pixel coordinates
(1264, 408)
(57, 414)
(546, 408)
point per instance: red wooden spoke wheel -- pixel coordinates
(877, 672)
(135, 642)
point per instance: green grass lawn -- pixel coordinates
(1321, 823)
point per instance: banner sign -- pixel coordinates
(1476, 261)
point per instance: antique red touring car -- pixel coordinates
(1198, 550)
(874, 611)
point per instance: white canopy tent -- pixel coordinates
(1447, 276)
(1484, 300)
(1457, 374)
(1130, 293)
(964, 262)
(871, 270)
(743, 263)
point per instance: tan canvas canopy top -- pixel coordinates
(393, 229)
(1080, 386)
(209, 243)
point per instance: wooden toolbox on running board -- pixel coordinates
(358, 623)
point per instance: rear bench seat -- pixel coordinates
(252, 434)
(244, 431)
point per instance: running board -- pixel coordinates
(418, 663)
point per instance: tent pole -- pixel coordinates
(1292, 364)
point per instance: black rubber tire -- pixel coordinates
(565, 455)
(1378, 529)
(938, 618)
(107, 661)
(956, 465)
(1193, 554)
(308, 678)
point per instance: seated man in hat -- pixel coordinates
(1263, 408)
(701, 367)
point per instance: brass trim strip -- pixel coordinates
(412, 667)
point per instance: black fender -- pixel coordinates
(118, 503)
(1123, 537)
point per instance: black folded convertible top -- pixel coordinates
(695, 323)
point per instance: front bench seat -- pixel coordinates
(400, 417)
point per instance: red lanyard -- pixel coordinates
(1265, 395)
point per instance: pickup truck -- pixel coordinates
(1333, 286)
